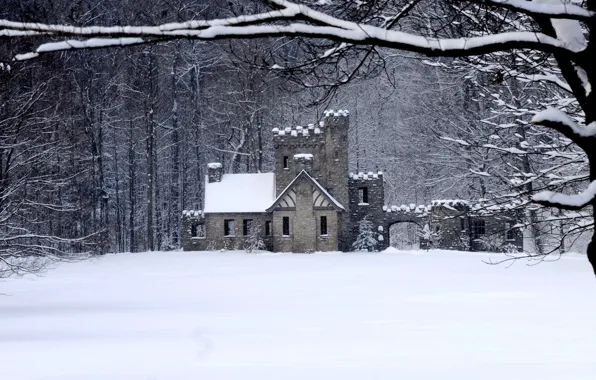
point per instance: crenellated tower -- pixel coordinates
(337, 124)
(290, 142)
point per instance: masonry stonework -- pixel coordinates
(312, 181)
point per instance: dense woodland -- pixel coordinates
(101, 150)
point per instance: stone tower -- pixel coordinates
(299, 141)
(336, 124)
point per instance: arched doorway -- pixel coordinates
(405, 236)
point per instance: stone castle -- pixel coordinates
(312, 203)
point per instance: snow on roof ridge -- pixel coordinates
(214, 165)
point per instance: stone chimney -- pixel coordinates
(303, 161)
(214, 172)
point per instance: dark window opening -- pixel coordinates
(197, 230)
(229, 227)
(336, 154)
(462, 222)
(478, 228)
(286, 161)
(323, 225)
(363, 195)
(286, 226)
(344, 138)
(268, 228)
(247, 227)
(509, 232)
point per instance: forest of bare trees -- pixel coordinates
(101, 149)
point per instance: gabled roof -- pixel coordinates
(304, 174)
(242, 193)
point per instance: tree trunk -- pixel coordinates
(131, 190)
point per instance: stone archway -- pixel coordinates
(405, 235)
(392, 218)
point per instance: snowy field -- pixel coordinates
(202, 315)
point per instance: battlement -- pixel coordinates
(299, 131)
(193, 214)
(338, 113)
(420, 210)
(369, 176)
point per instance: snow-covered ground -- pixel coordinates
(205, 315)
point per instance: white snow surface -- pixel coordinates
(231, 315)
(214, 165)
(253, 192)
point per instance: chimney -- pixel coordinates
(303, 161)
(214, 172)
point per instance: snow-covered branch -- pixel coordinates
(559, 121)
(311, 23)
(567, 202)
(534, 8)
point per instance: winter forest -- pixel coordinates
(111, 110)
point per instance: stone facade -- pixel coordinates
(317, 206)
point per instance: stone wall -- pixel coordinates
(287, 145)
(337, 126)
(214, 232)
(305, 234)
(455, 225)
(373, 209)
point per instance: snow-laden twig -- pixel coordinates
(560, 121)
(564, 201)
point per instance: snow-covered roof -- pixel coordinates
(214, 165)
(253, 192)
(315, 182)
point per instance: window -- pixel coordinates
(229, 227)
(197, 230)
(363, 195)
(268, 228)
(286, 226)
(247, 227)
(323, 226)
(286, 161)
(509, 232)
(478, 228)
(462, 223)
(336, 154)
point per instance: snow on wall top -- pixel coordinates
(214, 165)
(336, 113)
(253, 192)
(304, 156)
(193, 213)
(450, 202)
(298, 130)
(420, 209)
(366, 176)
